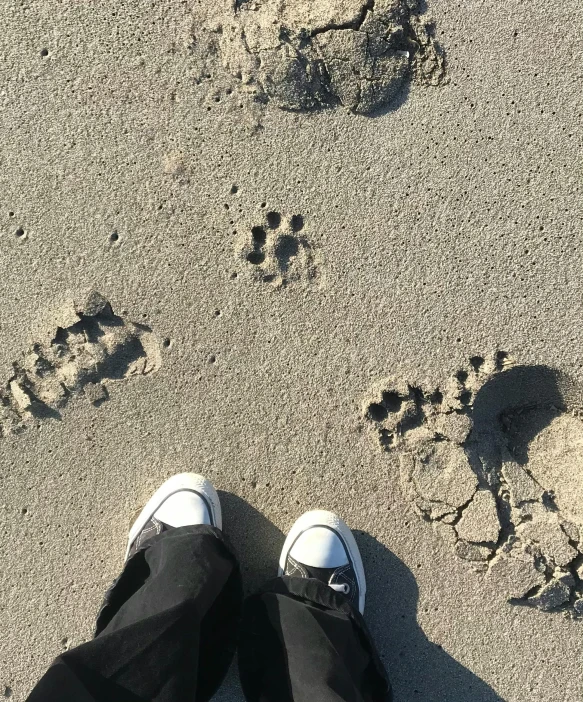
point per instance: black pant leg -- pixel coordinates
(167, 630)
(301, 641)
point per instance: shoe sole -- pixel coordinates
(178, 483)
(320, 517)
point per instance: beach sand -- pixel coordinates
(378, 314)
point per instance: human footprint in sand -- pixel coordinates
(169, 625)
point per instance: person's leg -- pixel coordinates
(303, 637)
(167, 629)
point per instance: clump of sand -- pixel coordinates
(311, 55)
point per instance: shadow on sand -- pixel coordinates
(418, 669)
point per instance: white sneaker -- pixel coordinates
(183, 500)
(320, 545)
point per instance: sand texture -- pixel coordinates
(327, 254)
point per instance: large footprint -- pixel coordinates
(494, 461)
(317, 54)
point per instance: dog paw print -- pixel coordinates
(277, 251)
(493, 459)
(405, 415)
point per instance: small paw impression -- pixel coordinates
(278, 251)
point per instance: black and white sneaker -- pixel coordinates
(320, 545)
(183, 500)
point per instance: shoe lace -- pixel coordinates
(340, 587)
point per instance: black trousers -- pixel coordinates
(170, 625)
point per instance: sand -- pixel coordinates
(374, 313)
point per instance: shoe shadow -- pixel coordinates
(418, 669)
(257, 543)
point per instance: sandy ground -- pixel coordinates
(445, 228)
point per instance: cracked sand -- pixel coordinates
(313, 55)
(493, 460)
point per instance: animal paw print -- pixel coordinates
(404, 414)
(278, 252)
(493, 460)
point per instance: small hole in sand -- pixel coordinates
(234, 275)
(7, 692)
(167, 343)
(273, 219)
(466, 397)
(217, 313)
(11, 214)
(114, 236)
(263, 204)
(392, 401)
(377, 412)
(212, 359)
(234, 189)
(24, 511)
(387, 439)
(297, 223)
(256, 257)
(19, 232)
(44, 52)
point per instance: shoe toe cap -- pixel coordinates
(319, 547)
(183, 509)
